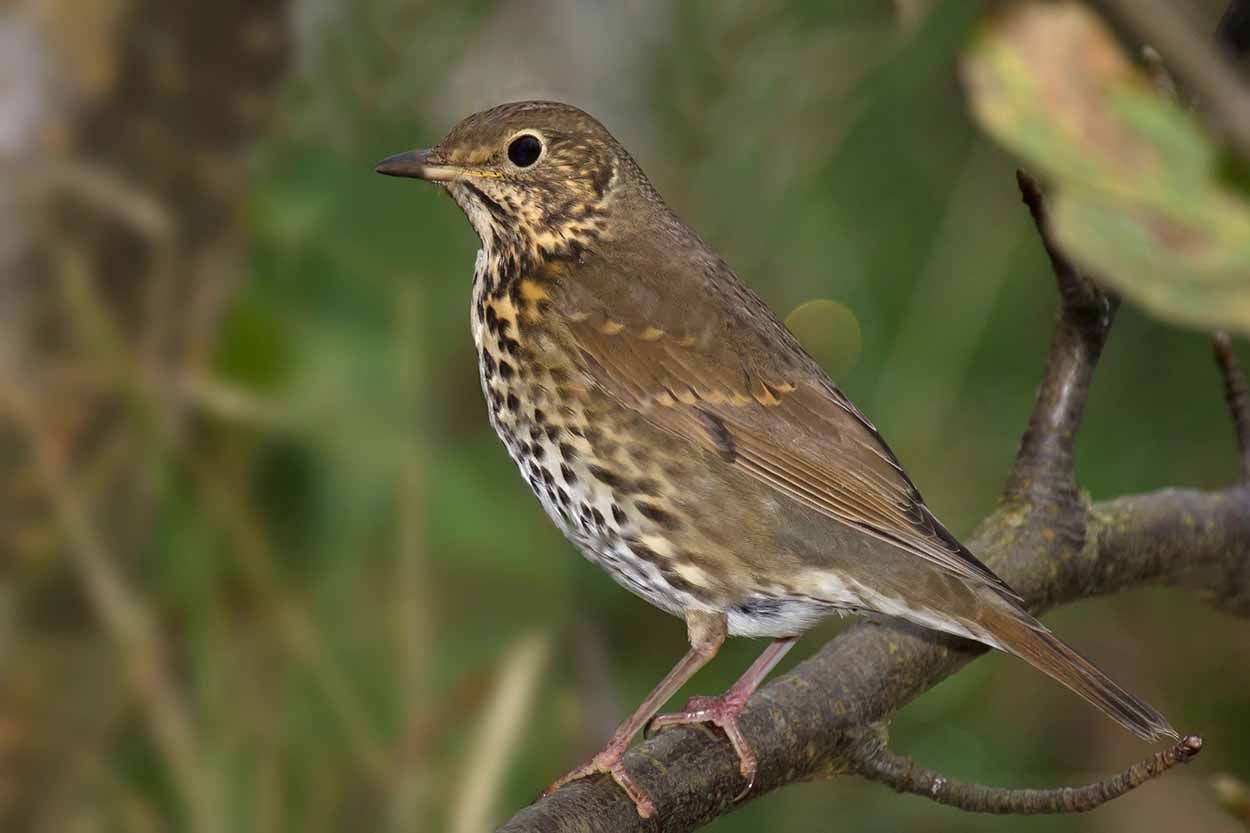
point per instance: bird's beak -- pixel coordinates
(417, 165)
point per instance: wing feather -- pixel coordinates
(782, 420)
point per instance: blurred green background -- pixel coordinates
(265, 565)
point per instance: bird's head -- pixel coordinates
(536, 173)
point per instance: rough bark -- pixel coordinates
(811, 722)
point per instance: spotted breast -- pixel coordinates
(568, 441)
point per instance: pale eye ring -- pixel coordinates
(524, 150)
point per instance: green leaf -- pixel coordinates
(1140, 194)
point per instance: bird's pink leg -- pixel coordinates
(707, 633)
(724, 710)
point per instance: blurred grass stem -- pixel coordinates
(507, 710)
(132, 628)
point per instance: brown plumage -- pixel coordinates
(681, 437)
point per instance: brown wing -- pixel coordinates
(711, 364)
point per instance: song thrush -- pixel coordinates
(680, 437)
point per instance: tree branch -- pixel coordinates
(903, 774)
(808, 723)
(1046, 542)
(827, 717)
(1043, 473)
(1238, 399)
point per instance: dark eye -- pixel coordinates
(525, 150)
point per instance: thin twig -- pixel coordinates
(1191, 58)
(1044, 466)
(1238, 398)
(1076, 292)
(879, 763)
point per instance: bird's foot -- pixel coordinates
(610, 761)
(722, 711)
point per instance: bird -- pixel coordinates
(682, 439)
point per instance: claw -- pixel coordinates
(609, 762)
(723, 712)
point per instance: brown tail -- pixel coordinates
(1019, 633)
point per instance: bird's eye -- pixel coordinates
(525, 150)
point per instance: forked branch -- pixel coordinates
(811, 722)
(1043, 471)
(816, 721)
(825, 718)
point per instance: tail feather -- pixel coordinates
(1018, 633)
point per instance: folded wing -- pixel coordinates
(699, 372)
